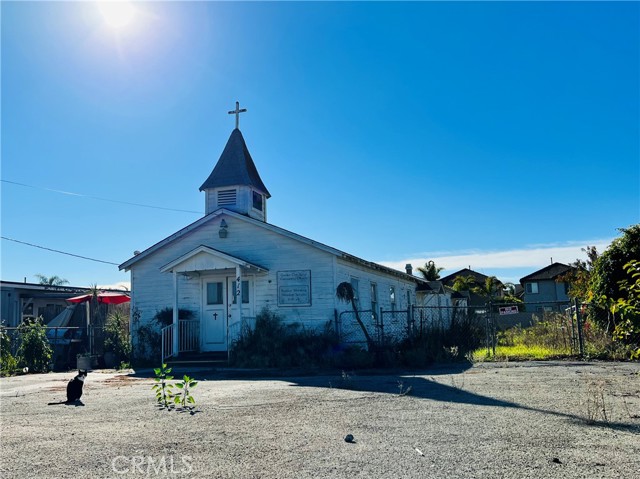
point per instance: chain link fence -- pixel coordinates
(350, 331)
(564, 325)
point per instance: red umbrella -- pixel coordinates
(103, 297)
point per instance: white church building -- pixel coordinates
(231, 263)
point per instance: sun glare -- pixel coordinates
(117, 14)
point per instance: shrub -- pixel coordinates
(274, 344)
(34, 350)
(147, 337)
(147, 345)
(8, 363)
(164, 317)
(117, 339)
(146, 341)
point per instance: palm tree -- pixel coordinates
(464, 283)
(344, 292)
(490, 287)
(94, 291)
(430, 271)
(51, 280)
(509, 289)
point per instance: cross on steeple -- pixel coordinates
(237, 112)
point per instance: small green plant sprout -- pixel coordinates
(184, 397)
(163, 388)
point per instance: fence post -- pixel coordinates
(486, 331)
(579, 326)
(492, 320)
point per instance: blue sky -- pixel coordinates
(491, 135)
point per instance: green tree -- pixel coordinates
(464, 283)
(34, 350)
(490, 288)
(8, 363)
(579, 276)
(51, 280)
(117, 340)
(608, 270)
(627, 309)
(509, 289)
(430, 271)
(508, 294)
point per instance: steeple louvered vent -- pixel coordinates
(227, 197)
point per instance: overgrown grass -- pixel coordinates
(275, 344)
(547, 338)
(551, 337)
(520, 352)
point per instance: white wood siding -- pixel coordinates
(346, 270)
(153, 290)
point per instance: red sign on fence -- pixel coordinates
(508, 310)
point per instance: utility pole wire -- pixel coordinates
(99, 198)
(57, 251)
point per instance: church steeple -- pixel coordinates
(234, 183)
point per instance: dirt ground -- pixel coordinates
(505, 420)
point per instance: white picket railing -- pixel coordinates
(166, 344)
(188, 338)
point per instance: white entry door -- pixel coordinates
(214, 314)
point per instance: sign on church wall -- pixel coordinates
(294, 288)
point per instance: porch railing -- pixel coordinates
(188, 338)
(166, 344)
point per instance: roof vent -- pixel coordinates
(226, 197)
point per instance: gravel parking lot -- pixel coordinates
(506, 420)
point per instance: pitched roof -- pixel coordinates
(235, 167)
(276, 229)
(550, 272)
(450, 279)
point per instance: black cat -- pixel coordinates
(74, 388)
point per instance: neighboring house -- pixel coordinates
(542, 290)
(474, 300)
(24, 300)
(439, 303)
(435, 294)
(229, 265)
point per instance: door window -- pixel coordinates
(244, 293)
(214, 293)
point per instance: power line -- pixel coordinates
(57, 251)
(99, 198)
